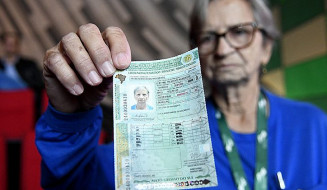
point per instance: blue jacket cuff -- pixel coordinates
(71, 122)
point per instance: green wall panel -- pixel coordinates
(318, 101)
(275, 60)
(307, 79)
(275, 2)
(296, 12)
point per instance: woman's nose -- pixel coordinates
(223, 47)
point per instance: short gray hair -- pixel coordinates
(141, 87)
(262, 16)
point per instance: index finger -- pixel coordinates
(119, 47)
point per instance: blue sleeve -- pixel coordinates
(71, 157)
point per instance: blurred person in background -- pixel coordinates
(260, 141)
(18, 72)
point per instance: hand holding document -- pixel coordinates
(162, 137)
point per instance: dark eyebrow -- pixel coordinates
(209, 32)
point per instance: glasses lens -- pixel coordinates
(240, 36)
(207, 43)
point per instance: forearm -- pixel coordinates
(67, 144)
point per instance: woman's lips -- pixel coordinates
(227, 66)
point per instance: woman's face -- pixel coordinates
(141, 95)
(227, 64)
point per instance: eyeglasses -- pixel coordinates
(239, 36)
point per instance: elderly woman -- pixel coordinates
(278, 142)
(141, 95)
(260, 141)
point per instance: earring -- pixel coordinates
(263, 69)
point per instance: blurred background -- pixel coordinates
(159, 29)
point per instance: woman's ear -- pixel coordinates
(267, 51)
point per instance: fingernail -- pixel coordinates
(94, 78)
(121, 59)
(77, 89)
(108, 68)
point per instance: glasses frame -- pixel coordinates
(217, 36)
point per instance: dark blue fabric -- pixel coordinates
(297, 147)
